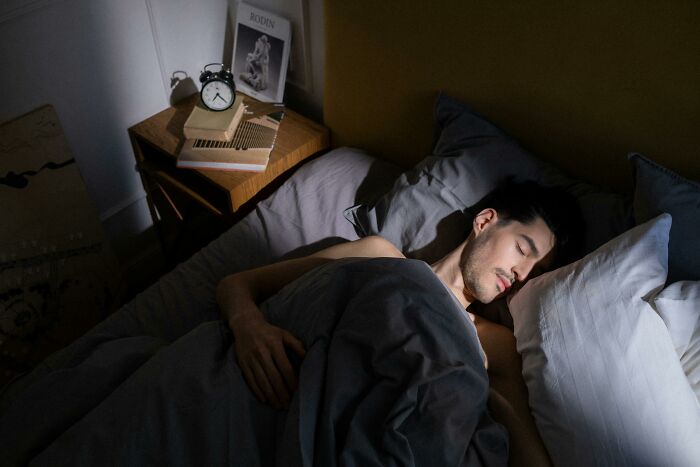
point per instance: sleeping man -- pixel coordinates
(385, 365)
(520, 230)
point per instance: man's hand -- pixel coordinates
(260, 347)
(261, 356)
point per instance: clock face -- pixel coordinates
(217, 95)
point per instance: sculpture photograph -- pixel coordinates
(261, 53)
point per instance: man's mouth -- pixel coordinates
(503, 282)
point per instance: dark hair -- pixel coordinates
(524, 201)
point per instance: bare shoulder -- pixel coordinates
(378, 246)
(368, 247)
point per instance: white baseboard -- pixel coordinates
(121, 206)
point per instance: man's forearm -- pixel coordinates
(239, 294)
(233, 296)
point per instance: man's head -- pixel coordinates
(519, 230)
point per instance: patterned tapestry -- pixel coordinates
(57, 275)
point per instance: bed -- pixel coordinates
(611, 371)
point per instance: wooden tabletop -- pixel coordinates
(297, 139)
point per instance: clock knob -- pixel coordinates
(205, 76)
(226, 74)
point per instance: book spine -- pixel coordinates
(226, 166)
(201, 133)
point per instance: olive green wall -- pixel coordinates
(578, 83)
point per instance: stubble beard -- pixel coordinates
(471, 263)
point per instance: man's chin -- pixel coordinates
(487, 300)
(507, 295)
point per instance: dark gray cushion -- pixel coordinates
(657, 190)
(426, 213)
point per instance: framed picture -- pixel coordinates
(261, 53)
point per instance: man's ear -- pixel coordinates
(484, 220)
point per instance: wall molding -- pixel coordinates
(10, 9)
(305, 49)
(159, 52)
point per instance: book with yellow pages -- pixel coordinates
(249, 149)
(219, 126)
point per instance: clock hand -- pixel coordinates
(217, 95)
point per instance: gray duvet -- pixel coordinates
(393, 375)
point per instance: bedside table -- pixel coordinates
(176, 196)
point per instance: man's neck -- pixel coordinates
(448, 271)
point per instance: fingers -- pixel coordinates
(285, 368)
(283, 362)
(250, 379)
(294, 343)
(280, 375)
(270, 388)
(264, 378)
(266, 366)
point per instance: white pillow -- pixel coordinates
(679, 307)
(604, 380)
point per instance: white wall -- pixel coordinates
(94, 61)
(107, 64)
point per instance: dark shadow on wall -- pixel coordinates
(227, 57)
(181, 86)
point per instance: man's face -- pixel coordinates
(502, 254)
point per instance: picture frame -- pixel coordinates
(261, 48)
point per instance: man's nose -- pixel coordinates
(523, 270)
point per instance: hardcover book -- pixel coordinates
(249, 149)
(261, 53)
(219, 126)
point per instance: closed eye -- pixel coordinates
(532, 248)
(522, 252)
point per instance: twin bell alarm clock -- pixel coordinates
(218, 89)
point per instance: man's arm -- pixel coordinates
(508, 397)
(260, 346)
(256, 285)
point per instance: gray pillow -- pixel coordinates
(426, 213)
(658, 190)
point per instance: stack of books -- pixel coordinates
(239, 138)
